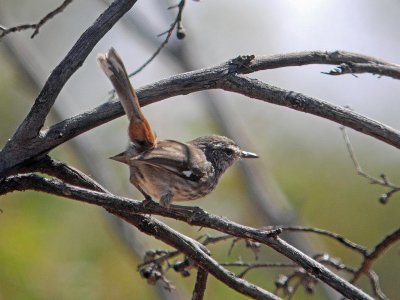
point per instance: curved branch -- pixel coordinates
(379, 249)
(191, 248)
(223, 76)
(28, 131)
(148, 225)
(340, 238)
(254, 88)
(191, 215)
(359, 63)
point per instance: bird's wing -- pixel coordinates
(182, 159)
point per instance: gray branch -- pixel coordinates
(126, 207)
(224, 76)
(24, 141)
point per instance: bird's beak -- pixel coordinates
(245, 154)
(121, 157)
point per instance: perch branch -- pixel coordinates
(191, 215)
(340, 238)
(224, 76)
(191, 248)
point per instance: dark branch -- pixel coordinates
(377, 252)
(201, 284)
(359, 61)
(341, 239)
(4, 31)
(223, 76)
(62, 171)
(191, 215)
(192, 249)
(28, 131)
(373, 68)
(256, 89)
(251, 266)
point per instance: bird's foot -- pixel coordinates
(147, 201)
(166, 200)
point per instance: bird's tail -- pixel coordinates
(139, 130)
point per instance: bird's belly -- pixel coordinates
(157, 183)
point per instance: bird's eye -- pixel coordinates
(229, 152)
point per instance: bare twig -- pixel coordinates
(171, 254)
(383, 180)
(290, 283)
(327, 260)
(340, 238)
(377, 252)
(4, 31)
(374, 279)
(191, 248)
(201, 284)
(180, 33)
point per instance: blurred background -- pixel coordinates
(53, 248)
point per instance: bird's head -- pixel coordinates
(221, 151)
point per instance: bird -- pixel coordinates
(167, 170)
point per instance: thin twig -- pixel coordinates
(374, 280)
(340, 238)
(383, 180)
(171, 254)
(377, 252)
(201, 284)
(327, 260)
(180, 34)
(191, 248)
(4, 31)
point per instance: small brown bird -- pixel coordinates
(167, 170)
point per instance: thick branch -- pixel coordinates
(223, 76)
(190, 215)
(373, 68)
(28, 131)
(62, 171)
(191, 248)
(254, 88)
